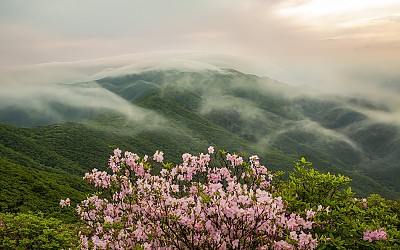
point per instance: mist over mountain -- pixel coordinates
(184, 105)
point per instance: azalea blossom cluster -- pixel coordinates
(378, 234)
(65, 203)
(209, 201)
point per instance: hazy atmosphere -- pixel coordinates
(348, 47)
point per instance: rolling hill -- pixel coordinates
(46, 148)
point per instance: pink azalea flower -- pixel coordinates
(65, 203)
(213, 205)
(158, 156)
(379, 234)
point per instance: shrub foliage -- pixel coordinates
(219, 200)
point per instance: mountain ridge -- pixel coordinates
(179, 111)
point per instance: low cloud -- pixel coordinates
(317, 135)
(246, 109)
(48, 90)
(37, 86)
(381, 116)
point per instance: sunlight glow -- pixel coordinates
(340, 10)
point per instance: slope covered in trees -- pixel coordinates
(185, 111)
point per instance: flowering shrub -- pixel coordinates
(219, 200)
(210, 201)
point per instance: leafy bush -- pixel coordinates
(221, 201)
(348, 219)
(33, 231)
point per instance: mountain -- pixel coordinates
(53, 137)
(272, 116)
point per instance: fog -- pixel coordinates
(73, 84)
(41, 89)
(38, 87)
(349, 48)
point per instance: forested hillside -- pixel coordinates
(179, 111)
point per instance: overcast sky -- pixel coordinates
(308, 40)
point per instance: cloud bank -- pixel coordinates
(345, 47)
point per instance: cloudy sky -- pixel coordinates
(334, 44)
